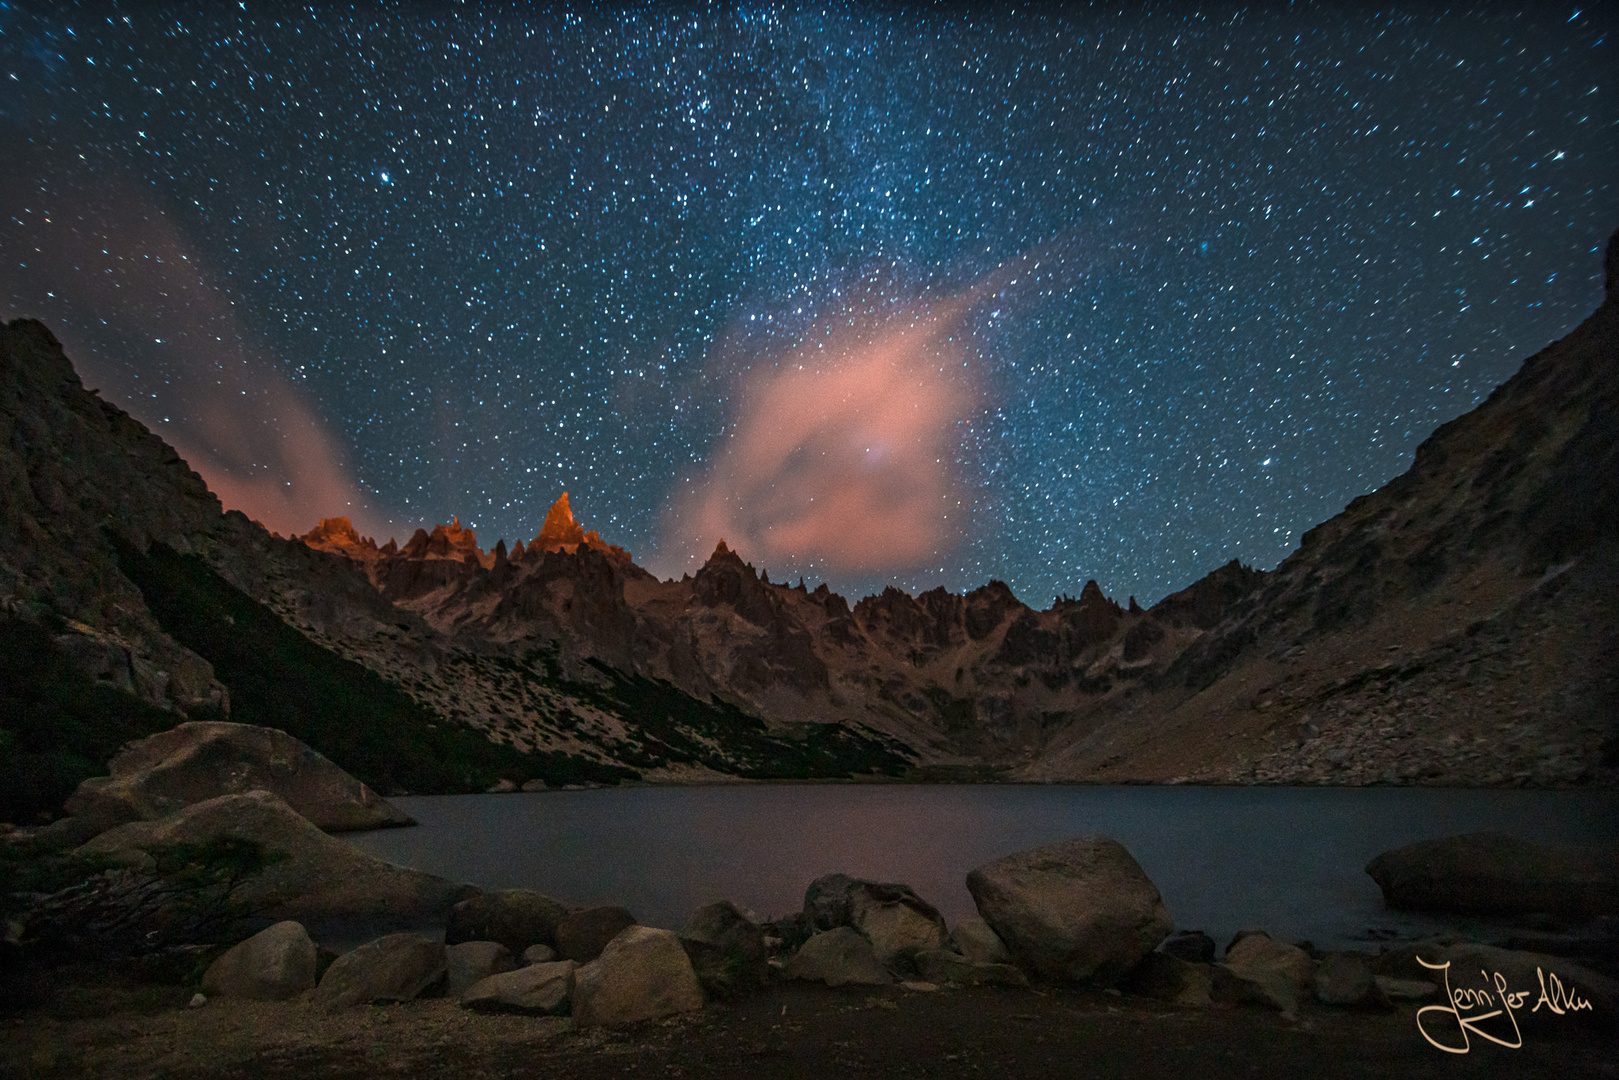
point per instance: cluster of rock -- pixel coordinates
(1079, 912)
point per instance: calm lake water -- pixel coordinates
(1290, 860)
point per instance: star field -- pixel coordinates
(1226, 267)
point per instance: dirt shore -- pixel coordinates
(789, 1031)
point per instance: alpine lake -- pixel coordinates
(1289, 860)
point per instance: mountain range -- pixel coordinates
(1456, 626)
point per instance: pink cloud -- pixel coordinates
(146, 322)
(842, 453)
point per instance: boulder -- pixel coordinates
(826, 902)
(838, 957)
(273, 965)
(942, 966)
(893, 918)
(1166, 977)
(539, 954)
(642, 974)
(727, 949)
(974, 940)
(517, 918)
(1193, 946)
(201, 760)
(1493, 874)
(788, 933)
(1347, 980)
(532, 990)
(468, 962)
(582, 935)
(319, 879)
(1272, 972)
(1405, 989)
(1080, 910)
(398, 967)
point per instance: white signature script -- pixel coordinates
(1467, 1007)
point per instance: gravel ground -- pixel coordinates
(793, 1030)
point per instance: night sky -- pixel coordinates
(879, 294)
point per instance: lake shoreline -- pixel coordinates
(1291, 859)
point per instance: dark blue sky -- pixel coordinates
(881, 295)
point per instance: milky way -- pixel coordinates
(1215, 272)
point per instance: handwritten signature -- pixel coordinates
(1467, 1007)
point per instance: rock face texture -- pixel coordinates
(516, 918)
(471, 962)
(892, 917)
(974, 940)
(642, 974)
(1495, 874)
(839, 957)
(942, 966)
(201, 760)
(1454, 626)
(320, 878)
(533, 990)
(727, 950)
(273, 965)
(1077, 911)
(398, 967)
(1271, 971)
(69, 462)
(582, 935)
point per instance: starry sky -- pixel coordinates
(880, 294)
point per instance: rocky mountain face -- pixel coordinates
(1458, 625)
(1455, 626)
(963, 682)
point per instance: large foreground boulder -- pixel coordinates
(398, 967)
(1489, 873)
(642, 974)
(839, 957)
(273, 965)
(1270, 971)
(533, 991)
(517, 918)
(892, 917)
(1079, 911)
(320, 878)
(727, 950)
(201, 760)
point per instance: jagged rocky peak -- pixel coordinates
(723, 555)
(726, 579)
(560, 532)
(988, 606)
(444, 542)
(337, 534)
(1093, 617)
